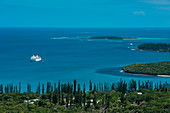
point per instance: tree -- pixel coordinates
(71, 99)
(67, 100)
(1, 89)
(48, 87)
(43, 88)
(55, 99)
(62, 101)
(90, 83)
(113, 87)
(38, 88)
(59, 91)
(94, 89)
(20, 87)
(84, 95)
(139, 84)
(28, 88)
(78, 88)
(74, 87)
(12, 89)
(94, 100)
(160, 85)
(80, 98)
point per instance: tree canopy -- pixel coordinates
(160, 68)
(161, 47)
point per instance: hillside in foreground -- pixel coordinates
(120, 97)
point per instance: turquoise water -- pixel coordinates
(67, 57)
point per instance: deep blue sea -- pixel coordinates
(67, 57)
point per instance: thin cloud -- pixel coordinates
(139, 13)
(164, 8)
(158, 2)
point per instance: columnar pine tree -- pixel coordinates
(139, 84)
(80, 98)
(20, 87)
(7, 88)
(67, 88)
(1, 89)
(94, 89)
(113, 87)
(94, 100)
(90, 83)
(55, 88)
(157, 87)
(48, 87)
(74, 87)
(55, 98)
(160, 85)
(71, 99)
(43, 88)
(62, 101)
(84, 95)
(16, 89)
(97, 87)
(38, 88)
(67, 100)
(78, 88)
(51, 89)
(28, 88)
(59, 91)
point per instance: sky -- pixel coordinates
(85, 13)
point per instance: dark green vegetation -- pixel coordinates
(160, 68)
(119, 97)
(161, 47)
(112, 37)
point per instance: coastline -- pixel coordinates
(110, 38)
(163, 75)
(150, 50)
(157, 47)
(146, 74)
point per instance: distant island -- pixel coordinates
(157, 69)
(160, 47)
(112, 37)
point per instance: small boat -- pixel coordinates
(35, 58)
(133, 49)
(131, 44)
(121, 71)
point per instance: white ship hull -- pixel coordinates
(35, 58)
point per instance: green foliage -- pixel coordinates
(161, 47)
(160, 68)
(112, 37)
(123, 98)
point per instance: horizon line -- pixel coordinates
(85, 27)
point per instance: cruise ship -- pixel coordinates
(35, 58)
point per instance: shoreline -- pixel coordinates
(147, 74)
(107, 39)
(163, 75)
(150, 50)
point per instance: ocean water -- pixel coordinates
(67, 57)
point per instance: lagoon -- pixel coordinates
(67, 57)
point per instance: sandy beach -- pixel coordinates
(163, 75)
